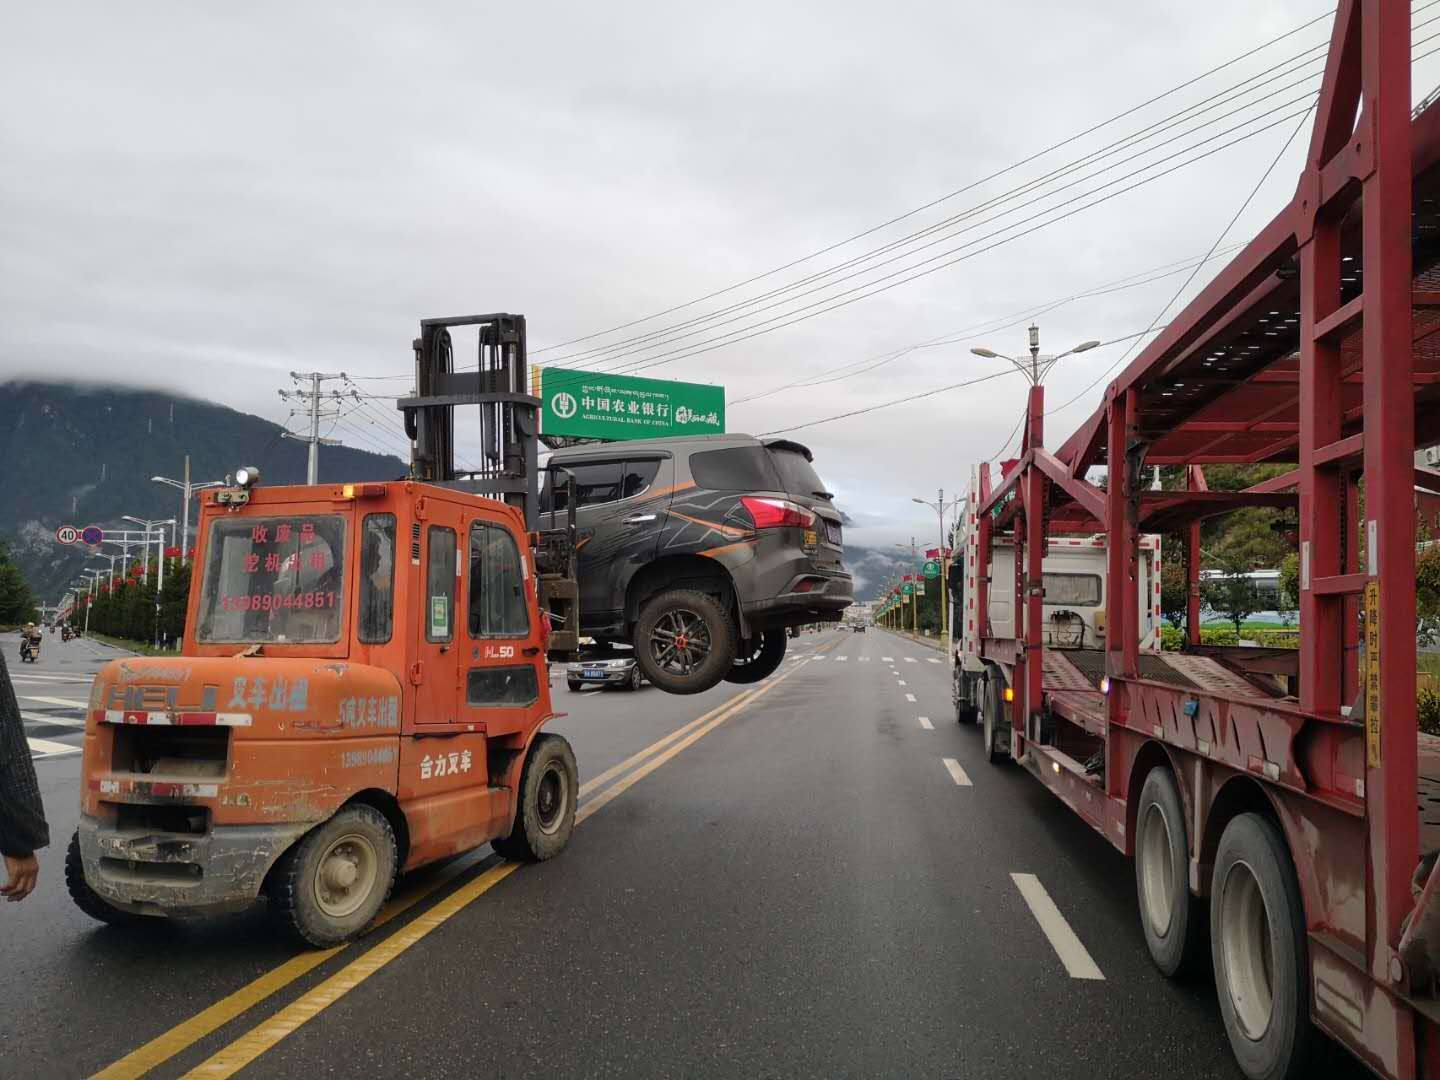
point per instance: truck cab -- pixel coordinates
(361, 690)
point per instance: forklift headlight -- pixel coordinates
(247, 476)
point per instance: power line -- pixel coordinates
(958, 191)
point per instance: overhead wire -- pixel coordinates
(958, 191)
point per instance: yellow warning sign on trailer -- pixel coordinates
(1372, 674)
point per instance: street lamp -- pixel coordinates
(187, 492)
(153, 527)
(941, 507)
(1037, 367)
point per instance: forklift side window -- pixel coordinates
(440, 584)
(497, 584)
(377, 578)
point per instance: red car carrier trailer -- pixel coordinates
(1297, 822)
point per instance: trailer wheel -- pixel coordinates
(684, 641)
(993, 714)
(1172, 919)
(1258, 948)
(549, 788)
(758, 658)
(87, 899)
(331, 882)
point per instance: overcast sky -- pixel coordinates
(204, 197)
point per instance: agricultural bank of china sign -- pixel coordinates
(596, 405)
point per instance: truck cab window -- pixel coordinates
(496, 605)
(377, 578)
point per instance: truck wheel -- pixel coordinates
(759, 657)
(1258, 948)
(331, 882)
(993, 714)
(684, 641)
(549, 788)
(1172, 919)
(87, 899)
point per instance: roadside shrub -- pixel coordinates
(1427, 709)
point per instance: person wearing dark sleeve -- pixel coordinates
(22, 815)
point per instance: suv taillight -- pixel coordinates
(777, 513)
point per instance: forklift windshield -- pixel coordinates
(273, 579)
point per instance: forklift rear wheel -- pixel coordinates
(1171, 917)
(87, 899)
(684, 641)
(1259, 951)
(992, 714)
(549, 788)
(758, 658)
(333, 881)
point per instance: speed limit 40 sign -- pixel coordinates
(67, 534)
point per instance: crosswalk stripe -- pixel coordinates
(932, 660)
(888, 659)
(903, 683)
(46, 748)
(842, 658)
(58, 721)
(909, 697)
(910, 660)
(69, 703)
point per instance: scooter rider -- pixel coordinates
(30, 635)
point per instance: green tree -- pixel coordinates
(1289, 587)
(1231, 592)
(1174, 585)
(17, 602)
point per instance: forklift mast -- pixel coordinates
(508, 468)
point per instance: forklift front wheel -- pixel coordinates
(332, 882)
(549, 789)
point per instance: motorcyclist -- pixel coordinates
(30, 636)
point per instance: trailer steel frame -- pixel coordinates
(1316, 346)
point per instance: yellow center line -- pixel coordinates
(163, 1047)
(240, 1053)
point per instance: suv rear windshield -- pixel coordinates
(799, 475)
(274, 579)
(740, 468)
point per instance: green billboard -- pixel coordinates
(598, 405)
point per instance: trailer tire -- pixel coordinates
(991, 714)
(549, 789)
(87, 899)
(756, 660)
(1259, 950)
(706, 634)
(332, 882)
(1173, 920)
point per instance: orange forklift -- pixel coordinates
(362, 687)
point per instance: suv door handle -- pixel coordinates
(637, 519)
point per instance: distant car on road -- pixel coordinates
(700, 552)
(858, 627)
(623, 673)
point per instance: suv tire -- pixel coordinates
(758, 657)
(705, 633)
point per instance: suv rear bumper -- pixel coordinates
(156, 873)
(827, 597)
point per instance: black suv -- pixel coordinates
(700, 551)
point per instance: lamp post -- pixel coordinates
(941, 507)
(1036, 367)
(155, 527)
(187, 492)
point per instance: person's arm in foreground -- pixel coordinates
(22, 815)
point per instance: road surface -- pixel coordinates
(818, 876)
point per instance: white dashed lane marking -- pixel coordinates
(909, 697)
(1078, 962)
(888, 659)
(925, 723)
(902, 682)
(910, 660)
(932, 660)
(956, 772)
(842, 658)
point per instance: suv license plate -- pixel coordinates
(832, 531)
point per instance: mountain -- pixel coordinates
(873, 567)
(84, 455)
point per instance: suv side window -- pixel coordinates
(739, 468)
(638, 476)
(597, 483)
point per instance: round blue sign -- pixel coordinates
(92, 535)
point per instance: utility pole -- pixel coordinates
(311, 399)
(187, 492)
